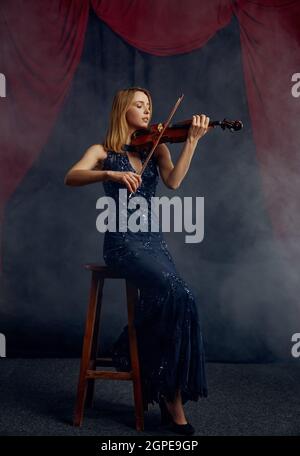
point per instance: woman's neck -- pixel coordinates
(130, 131)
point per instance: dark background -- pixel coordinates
(243, 287)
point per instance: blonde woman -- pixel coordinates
(171, 348)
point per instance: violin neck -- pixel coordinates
(187, 123)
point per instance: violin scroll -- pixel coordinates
(232, 125)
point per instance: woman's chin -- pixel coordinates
(140, 125)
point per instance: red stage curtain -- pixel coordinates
(270, 39)
(40, 47)
(165, 27)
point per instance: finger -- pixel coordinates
(129, 184)
(204, 127)
(130, 176)
(135, 179)
(202, 120)
(133, 183)
(138, 177)
(129, 187)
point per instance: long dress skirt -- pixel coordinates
(170, 340)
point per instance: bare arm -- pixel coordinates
(171, 175)
(84, 172)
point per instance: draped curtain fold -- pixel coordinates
(165, 27)
(40, 48)
(270, 41)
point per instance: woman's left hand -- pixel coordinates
(199, 127)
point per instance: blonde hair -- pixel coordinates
(117, 131)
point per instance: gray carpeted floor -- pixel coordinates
(37, 398)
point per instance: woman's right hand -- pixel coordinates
(128, 178)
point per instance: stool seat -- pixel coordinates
(106, 271)
(89, 360)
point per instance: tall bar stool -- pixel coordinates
(89, 361)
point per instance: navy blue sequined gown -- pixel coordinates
(170, 343)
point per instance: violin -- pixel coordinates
(144, 138)
(149, 138)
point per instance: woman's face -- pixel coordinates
(138, 113)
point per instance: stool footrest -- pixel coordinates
(104, 362)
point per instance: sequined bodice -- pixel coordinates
(119, 161)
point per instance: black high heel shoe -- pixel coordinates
(167, 419)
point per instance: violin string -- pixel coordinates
(160, 135)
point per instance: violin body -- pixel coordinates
(144, 138)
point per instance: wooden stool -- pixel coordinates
(89, 360)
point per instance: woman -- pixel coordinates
(170, 343)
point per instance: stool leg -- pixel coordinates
(95, 345)
(86, 350)
(132, 296)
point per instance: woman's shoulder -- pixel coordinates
(95, 156)
(98, 151)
